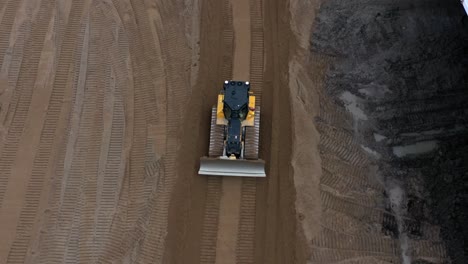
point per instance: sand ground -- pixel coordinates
(105, 112)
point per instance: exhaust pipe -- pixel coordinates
(228, 167)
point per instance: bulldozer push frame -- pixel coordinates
(234, 134)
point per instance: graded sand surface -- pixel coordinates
(88, 146)
(105, 111)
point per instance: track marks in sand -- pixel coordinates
(91, 138)
(80, 158)
(372, 244)
(6, 25)
(23, 94)
(210, 221)
(10, 72)
(256, 49)
(276, 239)
(228, 220)
(355, 224)
(133, 189)
(194, 204)
(236, 226)
(236, 217)
(16, 153)
(110, 229)
(102, 114)
(170, 105)
(109, 173)
(209, 236)
(245, 248)
(37, 188)
(351, 225)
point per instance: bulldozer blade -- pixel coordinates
(228, 167)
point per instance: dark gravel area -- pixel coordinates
(405, 65)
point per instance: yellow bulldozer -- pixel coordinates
(234, 134)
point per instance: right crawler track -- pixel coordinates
(252, 137)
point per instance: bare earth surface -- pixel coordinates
(90, 113)
(105, 112)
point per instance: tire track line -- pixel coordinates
(330, 239)
(354, 225)
(143, 113)
(110, 170)
(146, 50)
(334, 116)
(26, 79)
(229, 220)
(45, 244)
(79, 197)
(328, 255)
(131, 199)
(256, 49)
(347, 184)
(112, 181)
(104, 201)
(171, 93)
(10, 71)
(175, 88)
(346, 224)
(77, 98)
(345, 137)
(67, 158)
(230, 200)
(34, 189)
(2, 8)
(347, 152)
(276, 235)
(10, 212)
(142, 85)
(357, 177)
(114, 172)
(14, 43)
(245, 247)
(89, 196)
(128, 95)
(210, 221)
(228, 41)
(155, 23)
(131, 196)
(125, 229)
(48, 136)
(428, 249)
(214, 184)
(72, 46)
(368, 214)
(6, 25)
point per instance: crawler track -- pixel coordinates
(216, 136)
(252, 137)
